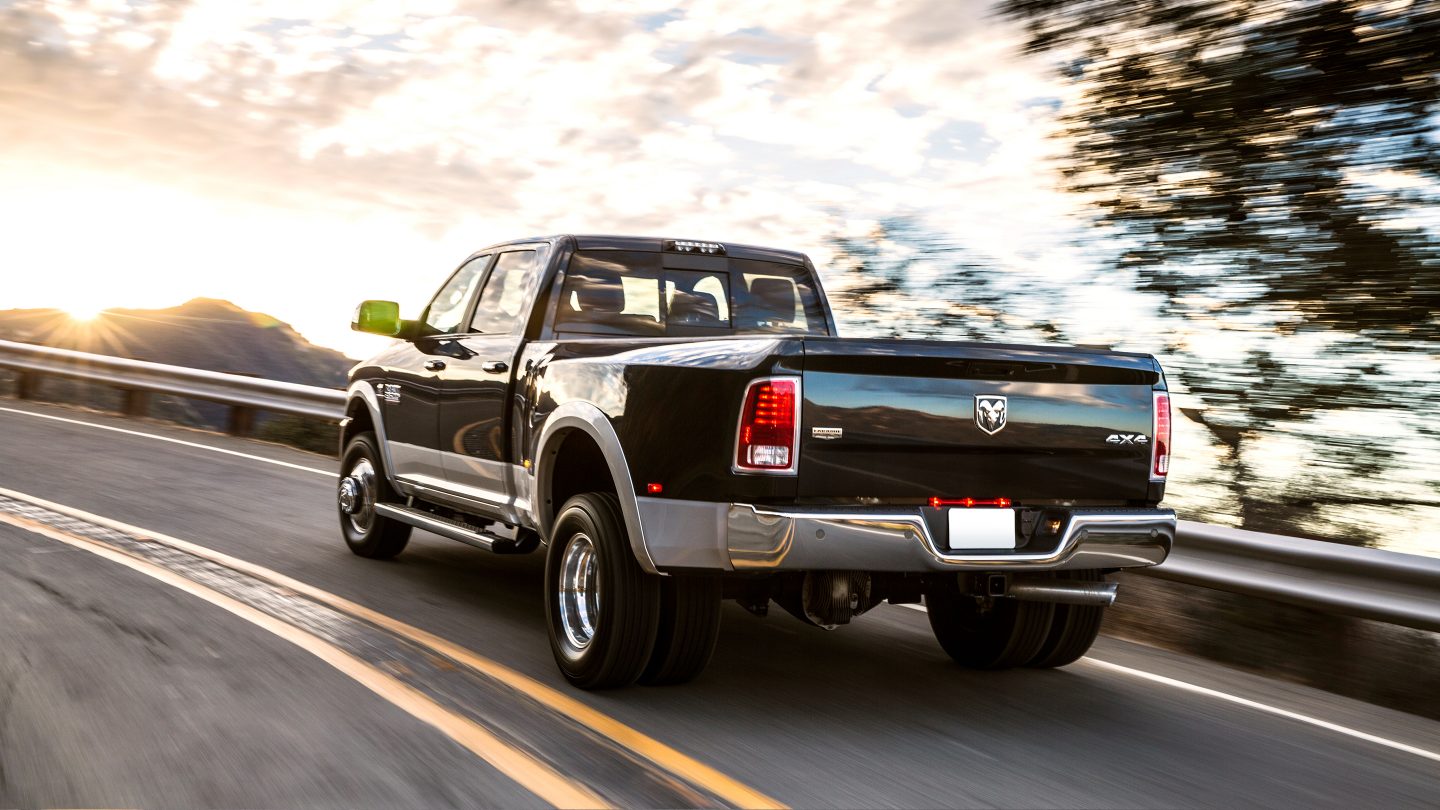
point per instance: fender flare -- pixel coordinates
(585, 417)
(365, 392)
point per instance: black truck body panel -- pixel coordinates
(904, 409)
(907, 411)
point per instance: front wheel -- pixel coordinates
(602, 609)
(1006, 633)
(362, 485)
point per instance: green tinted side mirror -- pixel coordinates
(377, 318)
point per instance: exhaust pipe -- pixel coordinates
(1061, 591)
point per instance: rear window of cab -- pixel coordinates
(632, 293)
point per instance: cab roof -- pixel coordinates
(656, 244)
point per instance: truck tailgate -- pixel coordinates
(898, 419)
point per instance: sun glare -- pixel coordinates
(83, 313)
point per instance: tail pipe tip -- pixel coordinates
(1060, 591)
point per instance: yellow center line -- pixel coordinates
(530, 773)
(677, 763)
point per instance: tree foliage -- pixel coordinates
(1275, 155)
(1272, 171)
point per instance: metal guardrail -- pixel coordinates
(1368, 583)
(138, 379)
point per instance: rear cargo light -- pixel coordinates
(936, 503)
(1160, 448)
(769, 426)
(684, 246)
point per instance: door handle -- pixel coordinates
(495, 367)
(434, 365)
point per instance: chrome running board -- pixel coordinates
(450, 529)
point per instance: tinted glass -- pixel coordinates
(611, 292)
(501, 303)
(446, 313)
(776, 298)
(630, 293)
(697, 298)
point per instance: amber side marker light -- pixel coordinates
(936, 503)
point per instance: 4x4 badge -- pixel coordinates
(990, 413)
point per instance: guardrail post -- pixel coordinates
(242, 421)
(136, 403)
(27, 385)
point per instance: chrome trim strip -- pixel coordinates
(421, 520)
(769, 539)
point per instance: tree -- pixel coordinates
(1271, 170)
(900, 278)
(1274, 155)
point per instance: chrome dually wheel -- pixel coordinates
(356, 495)
(362, 485)
(579, 592)
(602, 609)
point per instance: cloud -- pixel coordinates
(744, 119)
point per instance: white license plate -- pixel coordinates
(982, 528)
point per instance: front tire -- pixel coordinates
(1009, 634)
(602, 609)
(362, 485)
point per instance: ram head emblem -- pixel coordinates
(990, 413)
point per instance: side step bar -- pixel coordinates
(451, 530)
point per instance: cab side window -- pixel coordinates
(501, 307)
(446, 313)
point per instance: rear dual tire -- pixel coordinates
(1008, 632)
(611, 624)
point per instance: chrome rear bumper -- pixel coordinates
(764, 539)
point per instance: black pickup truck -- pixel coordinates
(676, 423)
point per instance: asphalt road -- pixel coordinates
(119, 687)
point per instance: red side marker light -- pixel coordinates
(654, 489)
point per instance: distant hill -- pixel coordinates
(203, 333)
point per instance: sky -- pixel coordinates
(298, 157)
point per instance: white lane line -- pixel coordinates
(213, 449)
(1246, 702)
(1303, 718)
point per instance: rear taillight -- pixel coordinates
(769, 426)
(1160, 448)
